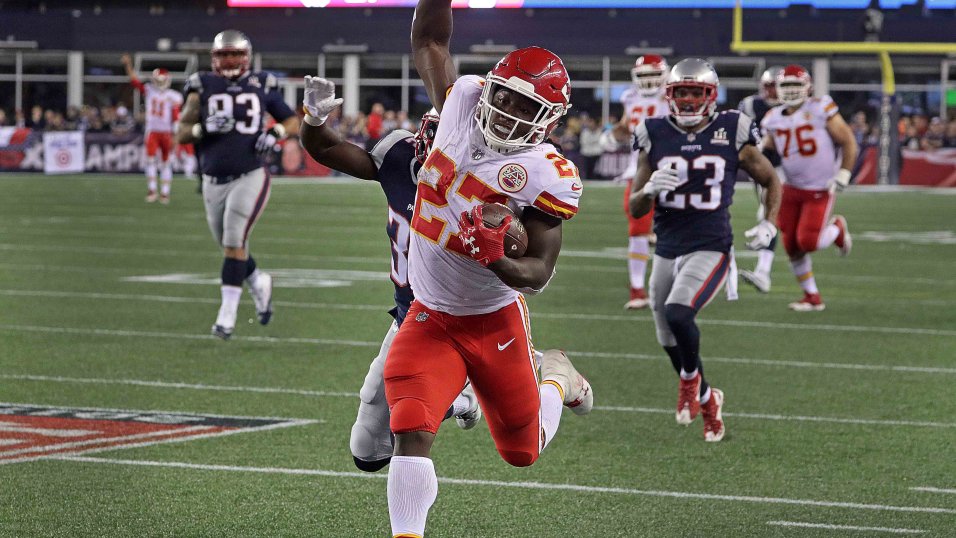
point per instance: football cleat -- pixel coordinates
(811, 302)
(222, 332)
(470, 418)
(757, 280)
(638, 300)
(556, 367)
(262, 296)
(688, 400)
(164, 199)
(844, 241)
(713, 423)
(151, 197)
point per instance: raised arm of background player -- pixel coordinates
(133, 79)
(323, 143)
(644, 189)
(431, 34)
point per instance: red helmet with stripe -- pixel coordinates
(649, 74)
(794, 85)
(539, 76)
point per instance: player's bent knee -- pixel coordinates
(408, 416)
(518, 458)
(679, 315)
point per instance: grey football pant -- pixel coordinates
(371, 438)
(691, 280)
(233, 208)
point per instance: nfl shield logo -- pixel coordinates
(421, 317)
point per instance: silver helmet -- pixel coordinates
(768, 85)
(691, 91)
(231, 53)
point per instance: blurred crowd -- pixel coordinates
(579, 135)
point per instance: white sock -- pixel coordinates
(550, 412)
(252, 278)
(638, 252)
(151, 183)
(230, 305)
(412, 489)
(827, 236)
(166, 175)
(706, 397)
(764, 261)
(688, 375)
(803, 270)
(189, 165)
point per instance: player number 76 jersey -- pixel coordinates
(808, 153)
(460, 173)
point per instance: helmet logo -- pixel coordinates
(512, 177)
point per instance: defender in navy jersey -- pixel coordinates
(224, 116)
(687, 168)
(756, 106)
(394, 163)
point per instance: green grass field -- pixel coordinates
(837, 418)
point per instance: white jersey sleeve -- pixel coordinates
(554, 184)
(460, 101)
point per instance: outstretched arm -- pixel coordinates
(133, 79)
(322, 142)
(431, 34)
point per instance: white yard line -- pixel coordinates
(929, 489)
(829, 526)
(585, 354)
(318, 393)
(522, 485)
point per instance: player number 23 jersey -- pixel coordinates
(460, 173)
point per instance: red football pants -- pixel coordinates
(640, 226)
(162, 142)
(803, 215)
(432, 354)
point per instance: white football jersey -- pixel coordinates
(160, 105)
(638, 108)
(806, 148)
(462, 172)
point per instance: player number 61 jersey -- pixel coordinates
(460, 173)
(801, 138)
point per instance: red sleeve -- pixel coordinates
(138, 85)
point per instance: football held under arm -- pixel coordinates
(531, 272)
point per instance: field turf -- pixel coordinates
(840, 423)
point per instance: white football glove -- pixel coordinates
(268, 139)
(219, 123)
(761, 235)
(662, 180)
(841, 179)
(319, 100)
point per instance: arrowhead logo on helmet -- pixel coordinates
(524, 96)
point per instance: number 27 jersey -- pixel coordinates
(462, 172)
(696, 216)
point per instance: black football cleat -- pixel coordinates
(221, 332)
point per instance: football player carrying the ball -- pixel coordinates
(469, 319)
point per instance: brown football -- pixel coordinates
(516, 240)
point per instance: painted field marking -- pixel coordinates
(316, 393)
(585, 354)
(929, 489)
(566, 316)
(523, 485)
(829, 526)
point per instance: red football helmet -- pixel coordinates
(794, 85)
(649, 73)
(160, 78)
(537, 74)
(426, 135)
(231, 53)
